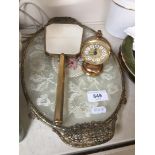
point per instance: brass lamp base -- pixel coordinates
(92, 70)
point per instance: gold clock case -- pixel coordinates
(93, 69)
(79, 134)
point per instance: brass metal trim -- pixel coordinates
(58, 116)
(92, 70)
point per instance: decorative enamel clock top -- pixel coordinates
(96, 50)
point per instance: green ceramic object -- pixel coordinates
(127, 57)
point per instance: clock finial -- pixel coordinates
(99, 34)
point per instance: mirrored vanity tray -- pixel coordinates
(84, 123)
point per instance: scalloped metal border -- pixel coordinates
(69, 134)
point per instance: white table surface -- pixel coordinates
(41, 140)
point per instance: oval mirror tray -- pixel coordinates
(84, 123)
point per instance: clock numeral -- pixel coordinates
(104, 50)
(101, 47)
(98, 59)
(86, 52)
(92, 46)
(87, 49)
(96, 46)
(89, 58)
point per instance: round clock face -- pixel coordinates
(95, 52)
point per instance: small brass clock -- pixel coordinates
(95, 52)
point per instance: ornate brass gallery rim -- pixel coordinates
(78, 135)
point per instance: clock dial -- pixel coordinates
(95, 53)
